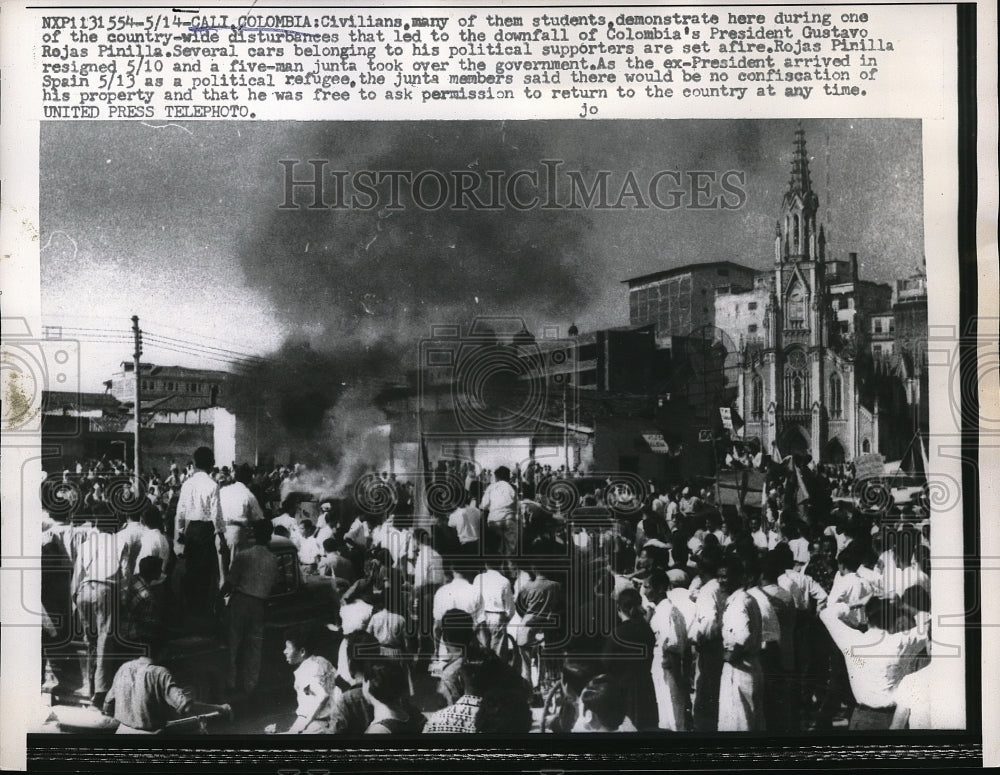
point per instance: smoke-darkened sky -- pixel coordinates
(181, 224)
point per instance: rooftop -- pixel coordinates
(687, 269)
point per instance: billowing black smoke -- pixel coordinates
(360, 288)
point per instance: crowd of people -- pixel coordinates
(496, 612)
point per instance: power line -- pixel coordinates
(112, 336)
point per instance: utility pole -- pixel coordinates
(137, 334)
(565, 428)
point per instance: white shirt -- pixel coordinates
(707, 621)
(500, 501)
(310, 550)
(199, 502)
(668, 628)
(428, 567)
(770, 626)
(458, 593)
(98, 558)
(800, 550)
(238, 504)
(496, 594)
(398, 542)
(681, 599)
(154, 544)
(924, 692)
(850, 588)
(360, 533)
(465, 521)
(876, 660)
(801, 587)
(291, 525)
(741, 625)
(315, 679)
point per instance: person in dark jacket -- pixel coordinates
(628, 659)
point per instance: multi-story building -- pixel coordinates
(194, 387)
(682, 300)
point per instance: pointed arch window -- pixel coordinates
(757, 397)
(796, 381)
(795, 232)
(796, 308)
(836, 395)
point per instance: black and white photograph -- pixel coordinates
(534, 427)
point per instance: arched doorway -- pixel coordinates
(794, 440)
(834, 452)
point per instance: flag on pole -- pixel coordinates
(737, 421)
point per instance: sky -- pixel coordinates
(181, 224)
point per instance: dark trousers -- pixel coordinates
(421, 634)
(775, 689)
(246, 641)
(707, 679)
(864, 717)
(837, 689)
(96, 602)
(201, 568)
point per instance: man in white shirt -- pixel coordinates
(153, 542)
(740, 706)
(849, 588)
(705, 630)
(670, 633)
(129, 543)
(287, 520)
(457, 594)
(466, 521)
(877, 660)
(497, 607)
(770, 646)
(199, 516)
(500, 505)
(428, 575)
(239, 509)
(95, 594)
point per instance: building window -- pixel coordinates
(796, 392)
(757, 396)
(796, 309)
(752, 306)
(752, 328)
(836, 395)
(877, 350)
(796, 383)
(877, 325)
(866, 446)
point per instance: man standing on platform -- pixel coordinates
(198, 522)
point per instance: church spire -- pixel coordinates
(798, 208)
(800, 182)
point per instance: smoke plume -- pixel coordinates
(359, 289)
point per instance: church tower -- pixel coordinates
(798, 330)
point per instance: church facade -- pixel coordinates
(806, 379)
